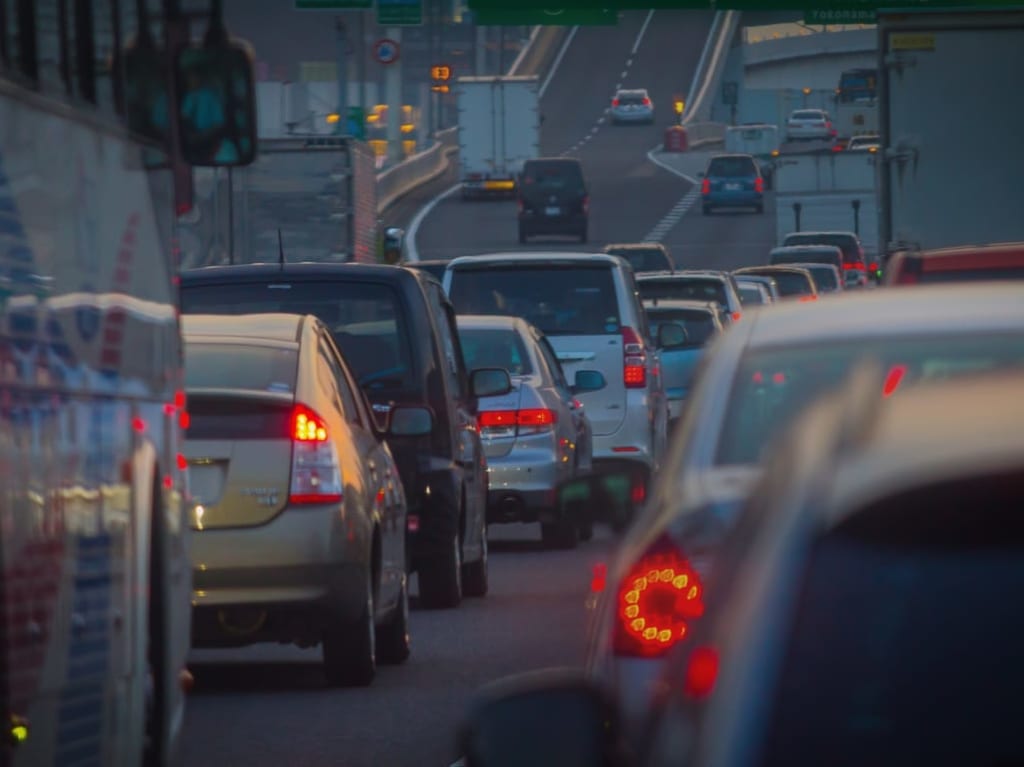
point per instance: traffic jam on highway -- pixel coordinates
(677, 418)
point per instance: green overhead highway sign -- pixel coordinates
(817, 6)
(332, 5)
(841, 16)
(399, 13)
(552, 17)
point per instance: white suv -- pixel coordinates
(589, 308)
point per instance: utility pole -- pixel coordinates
(339, 26)
(393, 80)
(362, 65)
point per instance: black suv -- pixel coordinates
(396, 329)
(553, 198)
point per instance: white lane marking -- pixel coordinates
(412, 252)
(629, 62)
(600, 120)
(653, 157)
(624, 73)
(640, 37)
(557, 61)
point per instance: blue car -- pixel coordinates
(732, 181)
(701, 321)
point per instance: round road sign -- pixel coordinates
(385, 51)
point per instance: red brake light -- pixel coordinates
(705, 186)
(837, 147)
(634, 370)
(893, 380)
(490, 419)
(615, 102)
(701, 672)
(656, 602)
(647, 102)
(536, 417)
(316, 474)
(759, 185)
(527, 421)
(736, 316)
(586, 204)
(808, 298)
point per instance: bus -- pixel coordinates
(98, 134)
(856, 107)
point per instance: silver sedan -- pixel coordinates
(537, 437)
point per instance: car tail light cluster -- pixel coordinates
(316, 474)
(615, 102)
(521, 422)
(705, 186)
(656, 602)
(586, 204)
(634, 360)
(647, 102)
(759, 185)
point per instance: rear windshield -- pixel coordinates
(807, 257)
(685, 288)
(845, 243)
(631, 98)
(366, 319)
(560, 300)
(210, 365)
(699, 325)
(552, 177)
(729, 167)
(643, 260)
(905, 649)
(495, 348)
(773, 385)
(751, 294)
(825, 279)
(806, 115)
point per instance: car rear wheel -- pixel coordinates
(474, 574)
(393, 641)
(441, 578)
(350, 649)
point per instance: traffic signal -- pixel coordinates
(680, 105)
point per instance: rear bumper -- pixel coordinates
(254, 584)
(533, 223)
(632, 117)
(739, 199)
(488, 187)
(523, 484)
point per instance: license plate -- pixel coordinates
(553, 211)
(732, 187)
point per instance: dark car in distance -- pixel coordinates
(553, 199)
(643, 256)
(396, 329)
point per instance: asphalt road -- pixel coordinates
(267, 706)
(628, 195)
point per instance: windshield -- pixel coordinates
(577, 300)
(731, 167)
(773, 384)
(685, 288)
(240, 366)
(845, 243)
(495, 348)
(751, 294)
(791, 283)
(643, 259)
(826, 279)
(366, 319)
(699, 325)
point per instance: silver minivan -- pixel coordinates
(588, 306)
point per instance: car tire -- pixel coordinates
(350, 649)
(441, 578)
(563, 534)
(394, 643)
(475, 582)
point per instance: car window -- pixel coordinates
(552, 177)
(240, 366)
(825, 279)
(643, 259)
(808, 115)
(557, 374)
(367, 320)
(750, 294)
(730, 167)
(808, 256)
(792, 283)
(931, 572)
(699, 325)
(631, 97)
(351, 401)
(451, 349)
(576, 300)
(772, 385)
(847, 244)
(685, 288)
(970, 275)
(495, 348)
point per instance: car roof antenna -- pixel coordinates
(280, 249)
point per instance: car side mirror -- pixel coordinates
(543, 719)
(672, 335)
(588, 380)
(410, 421)
(489, 382)
(216, 104)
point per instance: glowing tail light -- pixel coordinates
(656, 603)
(759, 185)
(525, 421)
(705, 186)
(634, 368)
(316, 474)
(586, 204)
(647, 102)
(701, 672)
(615, 102)
(737, 316)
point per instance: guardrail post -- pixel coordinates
(796, 214)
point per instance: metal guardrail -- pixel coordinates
(401, 179)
